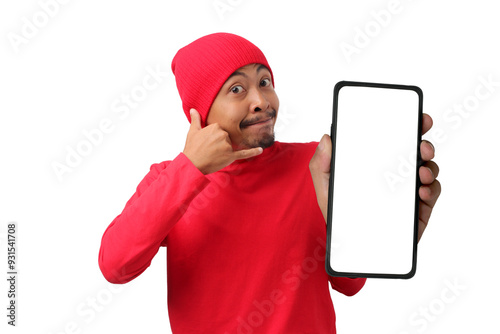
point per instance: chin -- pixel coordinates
(264, 141)
(267, 141)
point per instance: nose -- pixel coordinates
(258, 101)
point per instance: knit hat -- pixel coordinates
(202, 67)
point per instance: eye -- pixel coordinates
(236, 89)
(265, 82)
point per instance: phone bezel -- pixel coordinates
(337, 89)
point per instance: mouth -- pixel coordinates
(263, 121)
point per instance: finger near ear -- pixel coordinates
(195, 118)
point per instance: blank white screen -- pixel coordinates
(373, 208)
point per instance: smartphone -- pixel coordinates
(373, 202)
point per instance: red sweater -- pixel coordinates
(246, 245)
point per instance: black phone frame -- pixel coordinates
(419, 163)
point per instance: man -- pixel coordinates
(243, 216)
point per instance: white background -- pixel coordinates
(68, 73)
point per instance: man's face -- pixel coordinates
(246, 107)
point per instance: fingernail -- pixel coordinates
(430, 170)
(432, 146)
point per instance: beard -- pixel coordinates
(264, 141)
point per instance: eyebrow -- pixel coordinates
(235, 73)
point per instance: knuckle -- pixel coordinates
(221, 135)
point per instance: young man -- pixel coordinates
(243, 216)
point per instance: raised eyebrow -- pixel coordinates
(235, 73)
(262, 67)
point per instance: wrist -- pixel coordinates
(195, 162)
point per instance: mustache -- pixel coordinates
(268, 114)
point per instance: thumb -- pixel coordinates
(195, 120)
(323, 155)
(319, 167)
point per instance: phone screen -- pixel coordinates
(373, 192)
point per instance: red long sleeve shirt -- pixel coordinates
(245, 245)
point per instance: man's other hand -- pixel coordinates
(428, 192)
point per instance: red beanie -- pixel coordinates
(202, 67)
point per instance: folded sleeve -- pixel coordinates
(134, 237)
(347, 286)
